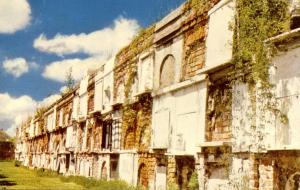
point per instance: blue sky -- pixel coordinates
(40, 39)
(67, 17)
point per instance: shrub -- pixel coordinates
(173, 186)
(17, 163)
(193, 182)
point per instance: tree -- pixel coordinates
(69, 81)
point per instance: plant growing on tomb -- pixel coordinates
(69, 82)
(193, 182)
(127, 58)
(255, 22)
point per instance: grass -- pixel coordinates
(90, 183)
(14, 176)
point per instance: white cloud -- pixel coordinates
(101, 42)
(100, 45)
(18, 66)
(14, 110)
(49, 100)
(33, 65)
(11, 106)
(14, 15)
(57, 70)
(63, 89)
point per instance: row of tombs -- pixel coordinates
(167, 111)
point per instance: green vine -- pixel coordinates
(256, 21)
(142, 41)
(200, 7)
(129, 110)
(193, 182)
(129, 82)
(144, 121)
(127, 58)
(40, 111)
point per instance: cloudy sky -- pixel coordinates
(40, 40)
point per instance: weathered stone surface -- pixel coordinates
(219, 113)
(168, 107)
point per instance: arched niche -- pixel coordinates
(167, 71)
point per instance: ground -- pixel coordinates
(12, 177)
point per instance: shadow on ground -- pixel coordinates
(2, 176)
(7, 183)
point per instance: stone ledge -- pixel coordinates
(95, 112)
(218, 6)
(179, 153)
(169, 18)
(178, 86)
(212, 69)
(287, 147)
(146, 54)
(81, 118)
(171, 24)
(148, 91)
(155, 149)
(216, 144)
(283, 36)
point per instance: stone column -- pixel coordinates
(171, 177)
(266, 174)
(200, 167)
(254, 175)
